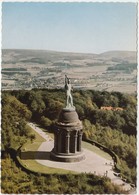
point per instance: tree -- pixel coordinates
(46, 122)
(14, 116)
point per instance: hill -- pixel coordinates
(125, 55)
(45, 55)
(18, 53)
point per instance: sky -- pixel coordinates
(70, 27)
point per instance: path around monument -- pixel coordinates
(93, 162)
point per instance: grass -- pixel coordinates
(34, 166)
(96, 150)
(38, 138)
(33, 146)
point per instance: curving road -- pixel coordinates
(93, 162)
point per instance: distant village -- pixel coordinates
(85, 72)
(40, 77)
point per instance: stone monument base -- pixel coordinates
(68, 137)
(70, 157)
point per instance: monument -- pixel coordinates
(68, 132)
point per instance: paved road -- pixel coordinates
(93, 162)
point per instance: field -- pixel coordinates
(110, 71)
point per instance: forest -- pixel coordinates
(115, 129)
(127, 67)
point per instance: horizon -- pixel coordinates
(86, 27)
(70, 51)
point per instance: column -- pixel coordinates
(67, 142)
(79, 141)
(75, 142)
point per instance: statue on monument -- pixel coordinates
(68, 88)
(68, 132)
